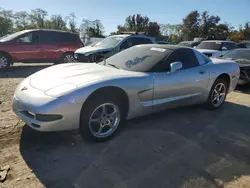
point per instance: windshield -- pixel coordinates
(238, 54)
(138, 58)
(111, 42)
(209, 45)
(12, 36)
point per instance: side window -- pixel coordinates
(30, 38)
(229, 45)
(200, 57)
(186, 56)
(27, 38)
(70, 38)
(50, 37)
(126, 44)
(137, 41)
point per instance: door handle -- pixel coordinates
(202, 71)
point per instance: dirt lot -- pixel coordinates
(182, 148)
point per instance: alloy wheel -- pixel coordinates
(219, 94)
(68, 58)
(3, 62)
(104, 120)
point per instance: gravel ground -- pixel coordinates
(182, 148)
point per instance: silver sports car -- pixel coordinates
(96, 98)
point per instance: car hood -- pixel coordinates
(74, 75)
(88, 50)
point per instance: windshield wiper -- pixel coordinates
(113, 65)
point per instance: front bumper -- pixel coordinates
(27, 105)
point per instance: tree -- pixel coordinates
(6, 23)
(72, 22)
(38, 17)
(153, 29)
(92, 28)
(55, 22)
(208, 24)
(21, 20)
(6, 26)
(191, 24)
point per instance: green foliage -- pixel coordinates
(139, 23)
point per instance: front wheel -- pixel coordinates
(5, 62)
(101, 119)
(217, 94)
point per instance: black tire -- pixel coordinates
(67, 57)
(87, 111)
(5, 62)
(209, 103)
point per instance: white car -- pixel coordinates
(215, 48)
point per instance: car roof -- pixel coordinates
(54, 30)
(131, 35)
(218, 41)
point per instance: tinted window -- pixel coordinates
(48, 37)
(210, 45)
(229, 45)
(138, 58)
(126, 44)
(137, 41)
(186, 56)
(238, 54)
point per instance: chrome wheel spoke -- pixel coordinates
(96, 120)
(100, 130)
(222, 94)
(104, 120)
(103, 110)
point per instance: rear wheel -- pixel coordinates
(217, 94)
(5, 61)
(101, 118)
(68, 58)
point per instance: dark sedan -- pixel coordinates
(242, 57)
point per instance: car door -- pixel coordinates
(50, 44)
(183, 87)
(27, 47)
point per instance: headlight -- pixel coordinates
(60, 90)
(75, 56)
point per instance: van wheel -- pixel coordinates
(68, 58)
(5, 61)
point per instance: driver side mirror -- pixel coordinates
(224, 48)
(175, 66)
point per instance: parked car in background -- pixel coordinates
(38, 45)
(215, 48)
(110, 46)
(243, 44)
(242, 57)
(191, 44)
(96, 98)
(162, 42)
